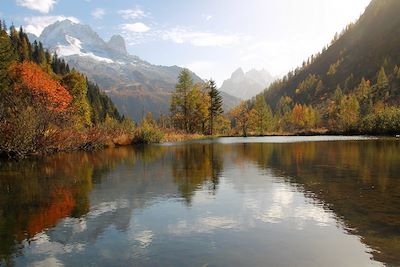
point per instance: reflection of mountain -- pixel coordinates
(96, 190)
(358, 181)
(86, 199)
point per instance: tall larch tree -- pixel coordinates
(263, 115)
(180, 100)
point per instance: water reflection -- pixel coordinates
(205, 203)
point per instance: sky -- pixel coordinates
(212, 38)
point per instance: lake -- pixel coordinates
(272, 201)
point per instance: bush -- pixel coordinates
(147, 135)
(148, 132)
(386, 121)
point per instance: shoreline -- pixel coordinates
(178, 138)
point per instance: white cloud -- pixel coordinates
(137, 27)
(196, 38)
(208, 18)
(43, 6)
(36, 25)
(132, 13)
(98, 13)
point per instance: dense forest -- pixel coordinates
(351, 86)
(46, 106)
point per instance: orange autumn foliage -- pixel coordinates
(61, 206)
(40, 85)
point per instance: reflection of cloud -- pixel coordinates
(203, 225)
(274, 215)
(312, 213)
(107, 207)
(281, 200)
(218, 222)
(77, 225)
(41, 244)
(282, 206)
(144, 238)
(50, 261)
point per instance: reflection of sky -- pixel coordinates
(254, 216)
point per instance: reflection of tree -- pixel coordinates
(35, 194)
(196, 165)
(357, 180)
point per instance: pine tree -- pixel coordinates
(7, 55)
(35, 52)
(215, 108)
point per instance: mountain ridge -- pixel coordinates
(358, 52)
(135, 85)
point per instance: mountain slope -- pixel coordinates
(134, 85)
(366, 46)
(245, 85)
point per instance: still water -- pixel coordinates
(293, 201)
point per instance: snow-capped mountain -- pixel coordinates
(246, 85)
(135, 86)
(68, 38)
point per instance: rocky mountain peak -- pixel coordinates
(117, 43)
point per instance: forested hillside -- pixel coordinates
(352, 85)
(45, 106)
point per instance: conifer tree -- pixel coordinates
(383, 84)
(215, 108)
(7, 55)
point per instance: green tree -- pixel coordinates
(349, 113)
(215, 108)
(364, 96)
(7, 55)
(382, 84)
(263, 116)
(77, 86)
(198, 109)
(180, 100)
